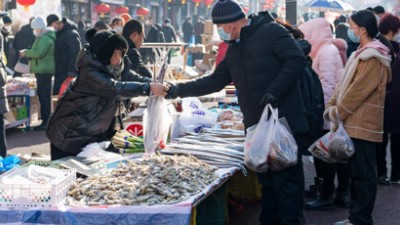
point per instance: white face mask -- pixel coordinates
(397, 37)
(147, 22)
(8, 28)
(119, 29)
(36, 33)
(223, 35)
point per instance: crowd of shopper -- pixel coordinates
(357, 60)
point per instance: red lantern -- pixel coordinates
(142, 11)
(197, 2)
(246, 9)
(126, 17)
(122, 10)
(208, 3)
(102, 8)
(26, 3)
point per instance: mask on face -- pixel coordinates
(397, 37)
(119, 29)
(352, 36)
(36, 33)
(147, 22)
(8, 28)
(223, 35)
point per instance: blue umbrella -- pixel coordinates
(328, 5)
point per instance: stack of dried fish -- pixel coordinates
(159, 179)
(211, 150)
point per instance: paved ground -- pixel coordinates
(387, 210)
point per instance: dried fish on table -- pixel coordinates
(233, 146)
(159, 179)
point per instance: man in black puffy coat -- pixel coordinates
(265, 64)
(68, 45)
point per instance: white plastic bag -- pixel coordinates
(334, 147)
(195, 117)
(258, 140)
(269, 144)
(284, 150)
(156, 122)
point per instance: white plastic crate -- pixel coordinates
(35, 195)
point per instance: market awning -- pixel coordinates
(328, 5)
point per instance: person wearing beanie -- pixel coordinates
(265, 64)
(134, 34)
(68, 45)
(42, 64)
(96, 102)
(53, 21)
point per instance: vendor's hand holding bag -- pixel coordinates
(269, 144)
(333, 147)
(22, 67)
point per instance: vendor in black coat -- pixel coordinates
(134, 33)
(265, 64)
(68, 45)
(87, 110)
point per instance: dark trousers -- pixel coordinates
(44, 93)
(57, 153)
(327, 172)
(395, 155)
(363, 184)
(282, 195)
(3, 145)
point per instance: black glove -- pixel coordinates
(269, 99)
(172, 93)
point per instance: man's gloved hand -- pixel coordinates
(269, 99)
(172, 92)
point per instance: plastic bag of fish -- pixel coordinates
(158, 179)
(269, 144)
(333, 147)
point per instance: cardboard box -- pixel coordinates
(9, 116)
(208, 27)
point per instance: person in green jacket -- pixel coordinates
(42, 64)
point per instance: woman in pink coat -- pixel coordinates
(329, 57)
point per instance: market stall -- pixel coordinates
(179, 213)
(134, 185)
(23, 102)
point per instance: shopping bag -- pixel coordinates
(341, 146)
(283, 149)
(335, 146)
(257, 142)
(21, 67)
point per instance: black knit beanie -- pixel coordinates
(103, 44)
(227, 11)
(51, 19)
